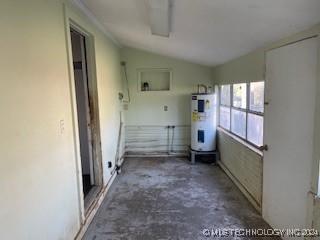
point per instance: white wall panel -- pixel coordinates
(156, 139)
(244, 164)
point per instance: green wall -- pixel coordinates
(245, 69)
(251, 67)
(146, 108)
(146, 119)
(41, 197)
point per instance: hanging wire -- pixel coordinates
(124, 68)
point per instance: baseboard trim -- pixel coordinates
(254, 203)
(94, 208)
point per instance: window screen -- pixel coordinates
(225, 117)
(238, 122)
(225, 95)
(255, 129)
(257, 96)
(240, 95)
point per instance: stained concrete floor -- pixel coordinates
(167, 198)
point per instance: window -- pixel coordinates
(241, 111)
(225, 106)
(239, 99)
(238, 123)
(225, 95)
(255, 129)
(225, 117)
(257, 96)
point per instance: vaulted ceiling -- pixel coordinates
(208, 32)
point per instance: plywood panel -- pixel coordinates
(244, 164)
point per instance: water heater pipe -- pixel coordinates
(204, 86)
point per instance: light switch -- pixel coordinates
(62, 127)
(165, 108)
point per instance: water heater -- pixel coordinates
(203, 122)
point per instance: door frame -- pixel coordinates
(94, 109)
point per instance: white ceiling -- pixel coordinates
(208, 32)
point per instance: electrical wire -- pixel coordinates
(123, 64)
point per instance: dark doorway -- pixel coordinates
(79, 55)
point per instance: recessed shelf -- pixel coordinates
(154, 79)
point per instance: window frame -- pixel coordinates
(225, 105)
(247, 111)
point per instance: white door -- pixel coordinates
(291, 74)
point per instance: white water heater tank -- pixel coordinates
(203, 122)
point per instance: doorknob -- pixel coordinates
(264, 148)
(312, 193)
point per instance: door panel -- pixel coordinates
(291, 74)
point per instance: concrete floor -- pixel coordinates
(167, 198)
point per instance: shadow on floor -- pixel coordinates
(167, 198)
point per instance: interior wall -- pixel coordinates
(248, 68)
(39, 189)
(145, 116)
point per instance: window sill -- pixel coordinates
(252, 148)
